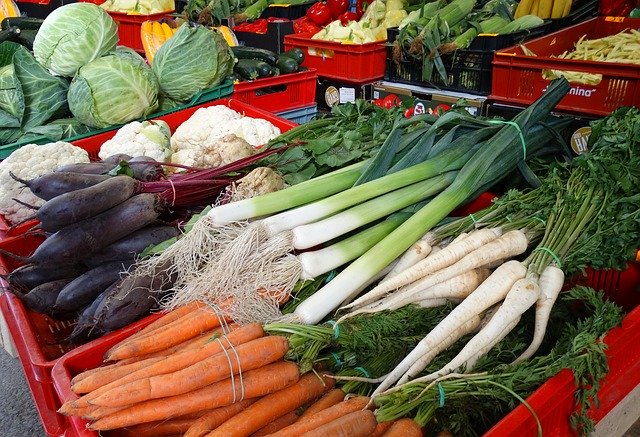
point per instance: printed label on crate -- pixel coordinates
(331, 96)
(579, 140)
(614, 19)
(578, 91)
(347, 95)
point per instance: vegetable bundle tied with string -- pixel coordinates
(415, 181)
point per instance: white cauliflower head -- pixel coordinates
(211, 137)
(223, 151)
(147, 138)
(29, 162)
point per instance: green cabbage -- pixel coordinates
(195, 58)
(113, 89)
(72, 36)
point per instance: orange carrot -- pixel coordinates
(381, 428)
(160, 428)
(89, 372)
(194, 323)
(99, 384)
(215, 418)
(331, 398)
(271, 407)
(181, 360)
(247, 356)
(277, 425)
(256, 383)
(99, 379)
(323, 417)
(404, 428)
(359, 423)
(169, 317)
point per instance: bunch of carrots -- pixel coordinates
(193, 373)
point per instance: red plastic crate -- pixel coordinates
(279, 93)
(353, 63)
(92, 144)
(517, 78)
(553, 402)
(129, 26)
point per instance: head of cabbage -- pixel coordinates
(73, 35)
(195, 58)
(113, 89)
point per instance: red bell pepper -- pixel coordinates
(320, 14)
(305, 25)
(391, 101)
(348, 16)
(337, 7)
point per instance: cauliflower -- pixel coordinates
(260, 181)
(147, 138)
(223, 151)
(217, 135)
(29, 162)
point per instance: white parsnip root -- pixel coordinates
(416, 253)
(550, 282)
(445, 258)
(491, 291)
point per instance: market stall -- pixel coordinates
(377, 218)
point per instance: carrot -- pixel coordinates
(181, 360)
(381, 428)
(215, 418)
(102, 383)
(98, 379)
(331, 398)
(323, 417)
(88, 372)
(160, 428)
(168, 317)
(247, 356)
(176, 332)
(278, 424)
(269, 408)
(256, 383)
(359, 423)
(404, 428)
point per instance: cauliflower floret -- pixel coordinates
(29, 162)
(223, 151)
(149, 138)
(256, 131)
(260, 181)
(211, 137)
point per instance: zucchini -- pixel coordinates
(246, 68)
(287, 65)
(254, 53)
(296, 54)
(264, 69)
(9, 34)
(24, 23)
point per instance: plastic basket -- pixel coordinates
(279, 93)
(353, 63)
(468, 70)
(300, 115)
(272, 40)
(223, 90)
(517, 79)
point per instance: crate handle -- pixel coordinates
(321, 53)
(275, 89)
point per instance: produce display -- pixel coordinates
(391, 267)
(145, 7)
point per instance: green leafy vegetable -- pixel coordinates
(72, 36)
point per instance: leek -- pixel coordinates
(488, 164)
